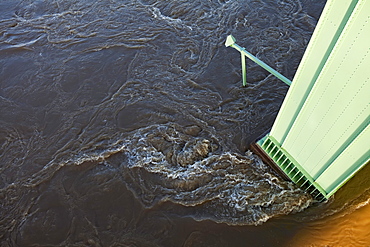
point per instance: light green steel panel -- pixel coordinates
(321, 136)
(354, 157)
(338, 106)
(329, 27)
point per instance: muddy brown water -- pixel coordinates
(124, 123)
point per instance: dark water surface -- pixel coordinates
(124, 123)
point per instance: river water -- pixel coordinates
(124, 123)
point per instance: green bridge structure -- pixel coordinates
(321, 136)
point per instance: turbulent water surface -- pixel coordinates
(124, 123)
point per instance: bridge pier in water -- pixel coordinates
(321, 136)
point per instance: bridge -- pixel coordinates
(321, 136)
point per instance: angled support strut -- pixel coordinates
(230, 41)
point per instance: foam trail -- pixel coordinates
(195, 172)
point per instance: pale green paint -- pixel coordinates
(337, 109)
(244, 69)
(331, 23)
(321, 136)
(230, 41)
(346, 164)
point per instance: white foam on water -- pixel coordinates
(241, 186)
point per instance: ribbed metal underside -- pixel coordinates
(290, 167)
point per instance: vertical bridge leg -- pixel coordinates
(244, 70)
